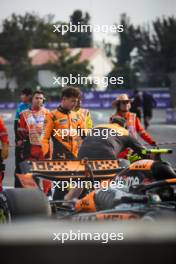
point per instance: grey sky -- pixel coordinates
(102, 12)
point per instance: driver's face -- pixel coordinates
(69, 103)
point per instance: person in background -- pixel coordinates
(84, 114)
(4, 148)
(25, 98)
(136, 104)
(31, 125)
(148, 104)
(122, 104)
(23, 105)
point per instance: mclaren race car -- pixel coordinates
(143, 190)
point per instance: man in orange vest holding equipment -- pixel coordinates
(4, 149)
(30, 129)
(123, 104)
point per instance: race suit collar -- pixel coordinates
(62, 110)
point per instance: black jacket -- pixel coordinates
(97, 147)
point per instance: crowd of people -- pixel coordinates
(38, 132)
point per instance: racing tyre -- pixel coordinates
(27, 203)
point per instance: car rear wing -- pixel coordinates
(62, 170)
(70, 167)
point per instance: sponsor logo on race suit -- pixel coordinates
(37, 120)
(74, 119)
(35, 123)
(62, 121)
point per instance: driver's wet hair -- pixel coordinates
(71, 92)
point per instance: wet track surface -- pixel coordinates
(158, 129)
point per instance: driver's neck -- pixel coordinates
(36, 108)
(63, 109)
